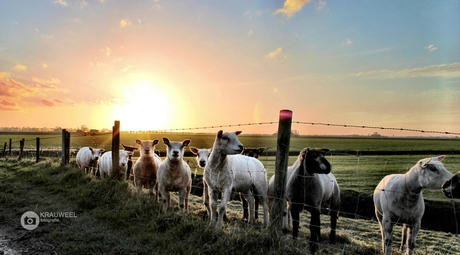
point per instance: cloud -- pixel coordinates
(347, 42)
(321, 5)
(250, 32)
(430, 48)
(291, 7)
(273, 54)
(61, 2)
(44, 65)
(124, 23)
(8, 106)
(83, 4)
(43, 81)
(111, 102)
(429, 71)
(48, 102)
(20, 67)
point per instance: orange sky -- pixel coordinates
(164, 65)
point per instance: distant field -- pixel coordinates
(206, 141)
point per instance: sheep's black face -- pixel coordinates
(315, 162)
(451, 187)
(253, 152)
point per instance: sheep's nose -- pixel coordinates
(175, 153)
(241, 147)
(202, 163)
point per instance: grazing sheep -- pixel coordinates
(398, 198)
(202, 156)
(87, 159)
(255, 154)
(451, 187)
(146, 167)
(226, 171)
(130, 159)
(310, 184)
(174, 174)
(105, 163)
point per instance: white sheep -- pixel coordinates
(225, 173)
(146, 167)
(202, 156)
(87, 159)
(174, 174)
(105, 163)
(398, 199)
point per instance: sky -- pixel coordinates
(180, 64)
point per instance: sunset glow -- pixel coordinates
(178, 64)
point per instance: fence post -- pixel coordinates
(63, 159)
(282, 157)
(38, 150)
(115, 150)
(10, 147)
(67, 147)
(21, 148)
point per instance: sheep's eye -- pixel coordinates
(225, 138)
(433, 169)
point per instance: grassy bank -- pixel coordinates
(112, 220)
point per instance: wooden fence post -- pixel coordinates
(4, 150)
(281, 165)
(116, 150)
(21, 148)
(63, 149)
(10, 147)
(38, 150)
(67, 147)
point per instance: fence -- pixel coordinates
(352, 178)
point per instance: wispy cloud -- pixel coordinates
(321, 5)
(292, 6)
(429, 71)
(20, 67)
(274, 54)
(44, 81)
(430, 48)
(61, 2)
(8, 106)
(250, 32)
(124, 23)
(44, 65)
(347, 42)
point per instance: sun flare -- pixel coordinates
(145, 108)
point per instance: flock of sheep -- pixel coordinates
(397, 197)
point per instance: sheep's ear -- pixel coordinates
(260, 150)
(440, 158)
(165, 140)
(194, 150)
(101, 150)
(91, 149)
(156, 141)
(238, 132)
(425, 162)
(186, 142)
(138, 141)
(219, 134)
(324, 151)
(303, 153)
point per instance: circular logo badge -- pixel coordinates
(30, 220)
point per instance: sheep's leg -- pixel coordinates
(157, 191)
(251, 206)
(412, 236)
(214, 196)
(206, 197)
(404, 238)
(265, 204)
(295, 221)
(245, 206)
(187, 195)
(166, 197)
(223, 206)
(181, 200)
(387, 232)
(334, 216)
(256, 207)
(315, 230)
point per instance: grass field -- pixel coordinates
(112, 220)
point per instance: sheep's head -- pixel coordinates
(201, 155)
(175, 150)
(451, 187)
(432, 173)
(147, 147)
(228, 143)
(96, 153)
(314, 161)
(253, 152)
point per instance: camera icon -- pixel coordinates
(30, 220)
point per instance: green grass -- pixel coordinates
(111, 219)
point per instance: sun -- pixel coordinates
(145, 108)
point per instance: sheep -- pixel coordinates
(87, 159)
(130, 159)
(145, 169)
(311, 183)
(255, 154)
(451, 187)
(105, 163)
(226, 171)
(398, 198)
(202, 156)
(174, 174)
